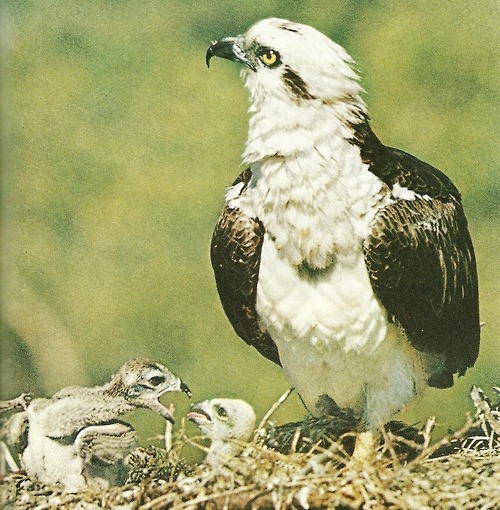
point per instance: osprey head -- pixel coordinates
(224, 418)
(143, 382)
(291, 62)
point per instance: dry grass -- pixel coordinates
(461, 471)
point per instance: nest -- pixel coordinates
(309, 469)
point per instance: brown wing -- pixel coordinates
(235, 253)
(422, 267)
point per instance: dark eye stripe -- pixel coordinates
(157, 380)
(296, 85)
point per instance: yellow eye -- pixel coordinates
(270, 58)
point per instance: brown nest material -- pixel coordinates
(459, 472)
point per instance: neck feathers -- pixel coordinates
(221, 452)
(299, 131)
(311, 186)
(116, 388)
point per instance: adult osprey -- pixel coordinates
(347, 262)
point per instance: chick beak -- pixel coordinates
(197, 414)
(155, 405)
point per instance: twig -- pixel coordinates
(168, 430)
(200, 499)
(20, 402)
(427, 450)
(6, 456)
(273, 408)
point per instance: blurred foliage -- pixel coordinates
(118, 143)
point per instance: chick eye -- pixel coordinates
(221, 411)
(157, 380)
(270, 58)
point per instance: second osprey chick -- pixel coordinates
(227, 423)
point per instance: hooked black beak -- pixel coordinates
(228, 48)
(185, 389)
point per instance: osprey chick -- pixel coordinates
(347, 262)
(75, 438)
(227, 423)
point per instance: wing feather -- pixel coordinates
(422, 267)
(72, 409)
(106, 443)
(235, 253)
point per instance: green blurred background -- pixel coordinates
(118, 144)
